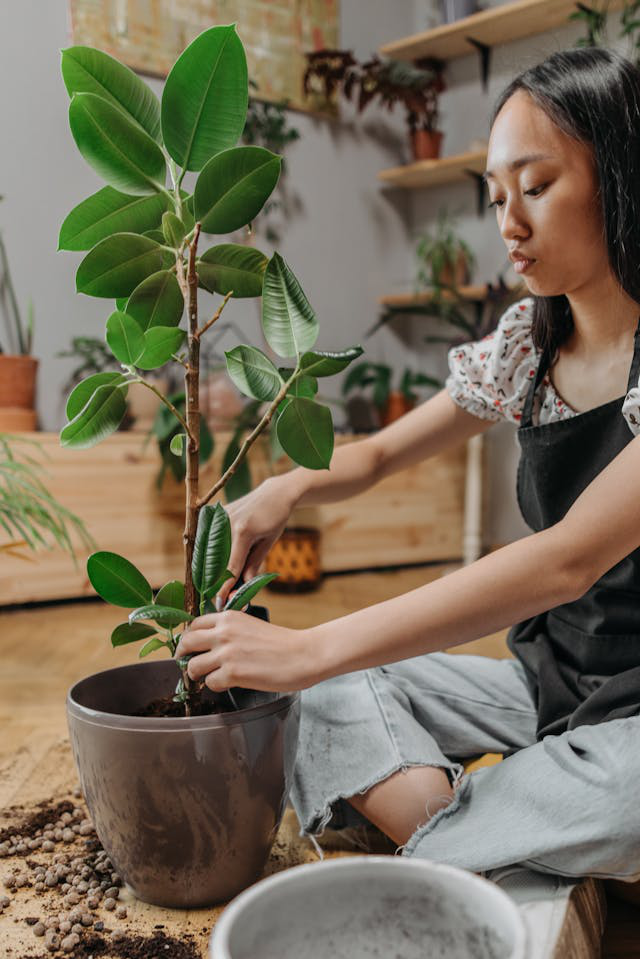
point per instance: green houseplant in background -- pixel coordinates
(445, 259)
(389, 402)
(18, 368)
(185, 799)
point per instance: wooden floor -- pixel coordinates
(47, 648)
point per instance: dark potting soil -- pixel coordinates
(30, 824)
(167, 709)
(156, 946)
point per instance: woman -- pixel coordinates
(384, 726)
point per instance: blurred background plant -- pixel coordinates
(30, 516)
(594, 19)
(445, 260)
(17, 338)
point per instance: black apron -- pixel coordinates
(582, 659)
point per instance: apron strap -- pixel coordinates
(543, 366)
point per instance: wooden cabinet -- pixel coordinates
(413, 517)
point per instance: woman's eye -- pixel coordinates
(534, 191)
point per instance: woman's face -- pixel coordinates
(544, 184)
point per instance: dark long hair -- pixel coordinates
(593, 95)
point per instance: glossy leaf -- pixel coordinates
(173, 229)
(289, 324)
(117, 580)
(99, 418)
(117, 148)
(109, 211)
(126, 633)
(253, 372)
(177, 444)
(87, 70)
(151, 646)
(160, 343)
(231, 266)
(121, 303)
(171, 594)
(239, 483)
(116, 265)
(82, 393)
(321, 363)
(204, 102)
(305, 431)
(304, 385)
(248, 590)
(212, 547)
(125, 338)
(233, 187)
(163, 615)
(157, 301)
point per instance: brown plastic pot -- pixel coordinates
(17, 393)
(396, 406)
(187, 809)
(426, 144)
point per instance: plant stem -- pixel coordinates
(191, 380)
(250, 440)
(167, 403)
(216, 315)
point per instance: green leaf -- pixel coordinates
(157, 301)
(117, 580)
(117, 148)
(231, 266)
(289, 324)
(304, 385)
(233, 187)
(160, 343)
(99, 418)
(151, 646)
(87, 70)
(247, 591)
(173, 229)
(125, 338)
(212, 547)
(163, 615)
(253, 372)
(204, 102)
(121, 303)
(117, 264)
(321, 363)
(126, 633)
(82, 393)
(171, 594)
(305, 431)
(177, 444)
(239, 483)
(107, 212)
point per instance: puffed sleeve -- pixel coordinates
(631, 409)
(490, 377)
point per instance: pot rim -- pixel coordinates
(178, 724)
(219, 940)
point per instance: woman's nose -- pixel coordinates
(513, 223)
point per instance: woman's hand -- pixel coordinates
(233, 649)
(257, 520)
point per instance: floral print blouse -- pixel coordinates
(490, 378)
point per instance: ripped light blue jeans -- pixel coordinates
(567, 805)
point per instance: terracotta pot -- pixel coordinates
(17, 392)
(296, 558)
(426, 144)
(187, 809)
(455, 276)
(396, 406)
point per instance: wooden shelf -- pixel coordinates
(426, 173)
(471, 293)
(511, 21)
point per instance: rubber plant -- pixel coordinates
(143, 232)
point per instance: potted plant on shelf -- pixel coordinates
(186, 787)
(416, 87)
(17, 367)
(389, 403)
(445, 260)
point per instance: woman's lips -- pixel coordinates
(522, 265)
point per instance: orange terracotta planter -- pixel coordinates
(426, 144)
(396, 406)
(17, 393)
(296, 559)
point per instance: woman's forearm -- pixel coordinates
(518, 581)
